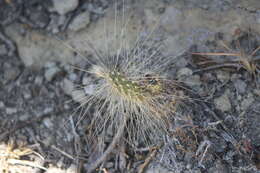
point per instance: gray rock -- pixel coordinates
(51, 72)
(247, 101)
(89, 86)
(80, 21)
(39, 18)
(2, 105)
(10, 72)
(10, 110)
(38, 80)
(257, 92)
(223, 103)
(72, 76)
(65, 6)
(35, 49)
(223, 76)
(193, 81)
(78, 96)
(24, 117)
(67, 86)
(240, 86)
(3, 49)
(184, 72)
(90, 89)
(48, 123)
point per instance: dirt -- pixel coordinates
(218, 127)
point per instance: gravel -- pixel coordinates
(36, 79)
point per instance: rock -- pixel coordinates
(10, 72)
(247, 101)
(48, 123)
(184, 72)
(89, 86)
(78, 96)
(257, 92)
(223, 76)
(240, 86)
(72, 76)
(2, 105)
(40, 18)
(35, 49)
(65, 6)
(51, 71)
(3, 49)
(193, 81)
(24, 117)
(223, 103)
(10, 110)
(67, 86)
(90, 89)
(38, 80)
(80, 21)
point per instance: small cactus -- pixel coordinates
(133, 86)
(133, 89)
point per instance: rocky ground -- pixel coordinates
(39, 40)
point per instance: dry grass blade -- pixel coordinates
(237, 59)
(10, 157)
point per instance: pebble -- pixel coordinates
(65, 6)
(67, 86)
(223, 76)
(240, 86)
(193, 81)
(80, 21)
(3, 49)
(72, 76)
(24, 117)
(38, 80)
(51, 72)
(257, 92)
(184, 72)
(90, 89)
(39, 17)
(77, 95)
(223, 103)
(2, 105)
(48, 123)
(10, 72)
(247, 101)
(11, 110)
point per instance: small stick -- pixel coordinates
(218, 66)
(62, 152)
(148, 160)
(110, 148)
(25, 163)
